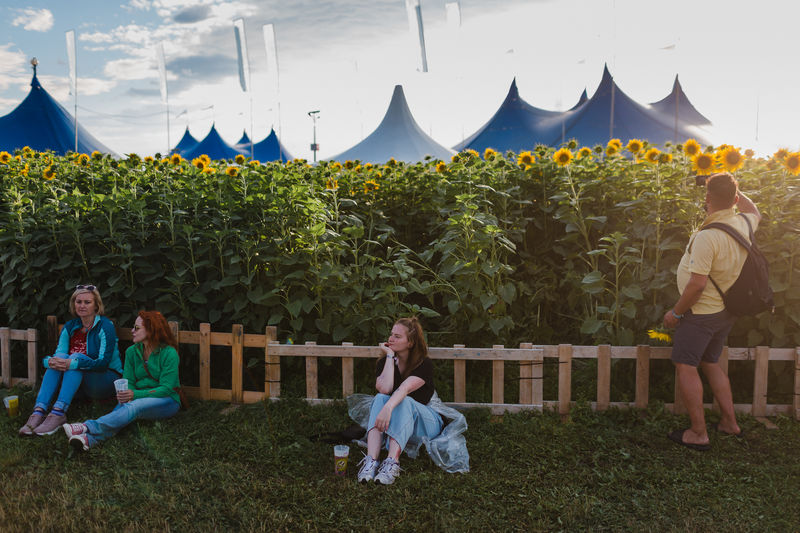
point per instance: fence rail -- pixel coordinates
(530, 358)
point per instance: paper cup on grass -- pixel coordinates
(340, 454)
(121, 384)
(12, 405)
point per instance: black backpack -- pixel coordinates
(750, 294)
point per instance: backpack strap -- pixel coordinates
(736, 236)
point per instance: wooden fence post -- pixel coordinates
(760, 382)
(642, 376)
(796, 401)
(237, 363)
(723, 365)
(564, 377)
(312, 389)
(459, 378)
(603, 376)
(204, 353)
(498, 377)
(52, 334)
(273, 363)
(347, 374)
(537, 375)
(5, 355)
(33, 350)
(525, 377)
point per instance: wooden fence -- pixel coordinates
(530, 359)
(31, 337)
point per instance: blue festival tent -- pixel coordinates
(270, 149)
(398, 136)
(677, 105)
(244, 140)
(513, 127)
(43, 124)
(213, 146)
(186, 142)
(610, 113)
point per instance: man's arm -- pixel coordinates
(689, 296)
(746, 205)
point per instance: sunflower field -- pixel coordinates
(575, 245)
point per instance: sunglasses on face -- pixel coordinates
(85, 287)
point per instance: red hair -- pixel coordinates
(158, 330)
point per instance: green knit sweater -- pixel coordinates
(163, 366)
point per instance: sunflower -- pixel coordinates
(199, 163)
(781, 154)
(209, 169)
(25, 170)
(83, 160)
(239, 159)
(441, 166)
(392, 162)
(526, 159)
(703, 163)
(792, 163)
(659, 335)
(749, 153)
(634, 146)
(651, 156)
(231, 171)
(454, 158)
(254, 163)
(336, 166)
(357, 168)
(148, 159)
(332, 184)
(349, 165)
(176, 159)
(5, 157)
(489, 154)
(370, 186)
(615, 142)
(611, 149)
(585, 152)
(691, 147)
(563, 157)
(473, 153)
(730, 159)
(49, 173)
(664, 158)
(205, 159)
(368, 166)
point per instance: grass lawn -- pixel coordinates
(256, 468)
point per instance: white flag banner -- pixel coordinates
(271, 46)
(453, 10)
(73, 63)
(241, 51)
(414, 12)
(162, 71)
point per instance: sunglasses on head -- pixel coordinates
(85, 287)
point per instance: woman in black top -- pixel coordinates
(400, 409)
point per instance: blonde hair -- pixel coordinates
(98, 301)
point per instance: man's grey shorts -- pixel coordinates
(701, 337)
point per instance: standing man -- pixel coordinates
(702, 323)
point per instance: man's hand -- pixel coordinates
(670, 320)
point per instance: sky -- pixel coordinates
(736, 60)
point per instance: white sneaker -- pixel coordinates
(79, 442)
(368, 468)
(74, 429)
(387, 472)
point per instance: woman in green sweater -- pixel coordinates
(151, 368)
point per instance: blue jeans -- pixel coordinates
(409, 419)
(94, 384)
(123, 414)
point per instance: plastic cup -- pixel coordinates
(12, 405)
(340, 454)
(121, 384)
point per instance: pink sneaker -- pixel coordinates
(79, 442)
(50, 425)
(33, 422)
(74, 429)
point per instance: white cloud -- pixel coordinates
(143, 5)
(34, 19)
(13, 72)
(96, 37)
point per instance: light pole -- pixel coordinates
(314, 146)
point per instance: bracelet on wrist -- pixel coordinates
(676, 315)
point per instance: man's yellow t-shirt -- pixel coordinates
(716, 254)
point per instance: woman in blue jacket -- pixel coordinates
(86, 359)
